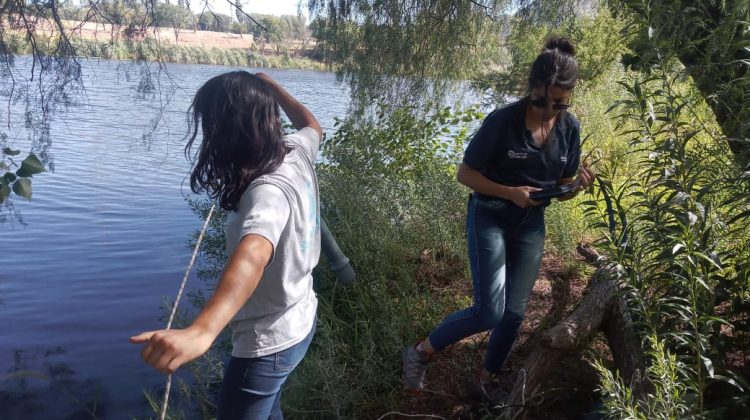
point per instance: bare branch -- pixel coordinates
(239, 8)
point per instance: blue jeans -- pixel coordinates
(251, 389)
(506, 244)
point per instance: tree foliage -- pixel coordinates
(599, 46)
(173, 16)
(403, 49)
(711, 39)
(399, 50)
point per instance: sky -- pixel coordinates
(263, 7)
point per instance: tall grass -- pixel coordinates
(665, 402)
(389, 195)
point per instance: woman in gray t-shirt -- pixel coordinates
(265, 293)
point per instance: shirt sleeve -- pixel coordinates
(308, 139)
(482, 146)
(574, 152)
(264, 211)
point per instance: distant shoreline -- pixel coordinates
(94, 40)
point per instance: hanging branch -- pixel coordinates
(239, 8)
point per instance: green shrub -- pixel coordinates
(665, 402)
(676, 221)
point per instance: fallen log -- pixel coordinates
(601, 308)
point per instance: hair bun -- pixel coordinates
(562, 44)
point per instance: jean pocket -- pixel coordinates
(493, 204)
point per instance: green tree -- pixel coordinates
(216, 22)
(173, 16)
(428, 42)
(402, 50)
(297, 30)
(273, 34)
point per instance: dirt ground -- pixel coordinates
(450, 386)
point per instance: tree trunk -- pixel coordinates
(626, 347)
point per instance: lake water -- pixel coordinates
(105, 243)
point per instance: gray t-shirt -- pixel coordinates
(284, 208)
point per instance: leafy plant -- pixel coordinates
(673, 224)
(667, 399)
(19, 182)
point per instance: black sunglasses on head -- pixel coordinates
(542, 103)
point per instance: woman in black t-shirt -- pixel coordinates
(521, 148)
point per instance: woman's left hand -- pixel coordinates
(585, 177)
(582, 181)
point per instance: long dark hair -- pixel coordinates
(242, 136)
(555, 66)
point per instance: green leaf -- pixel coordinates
(8, 178)
(703, 283)
(22, 187)
(4, 191)
(10, 152)
(30, 166)
(707, 259)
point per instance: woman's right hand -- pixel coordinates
(520, 196)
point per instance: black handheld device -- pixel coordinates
(553, 192)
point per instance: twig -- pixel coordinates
(239, 8)
(486, 9)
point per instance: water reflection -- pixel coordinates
(41, 385)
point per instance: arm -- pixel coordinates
(298, 114)
(167, 350)
(483, 185)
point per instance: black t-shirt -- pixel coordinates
(503, 149)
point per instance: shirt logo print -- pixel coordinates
(564, 159)
(516, 155)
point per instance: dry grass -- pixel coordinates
(102, 32)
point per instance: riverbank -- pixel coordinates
(92, 40)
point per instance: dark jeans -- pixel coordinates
(251, 389)
(506, 244)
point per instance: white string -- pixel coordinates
(165, 402)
